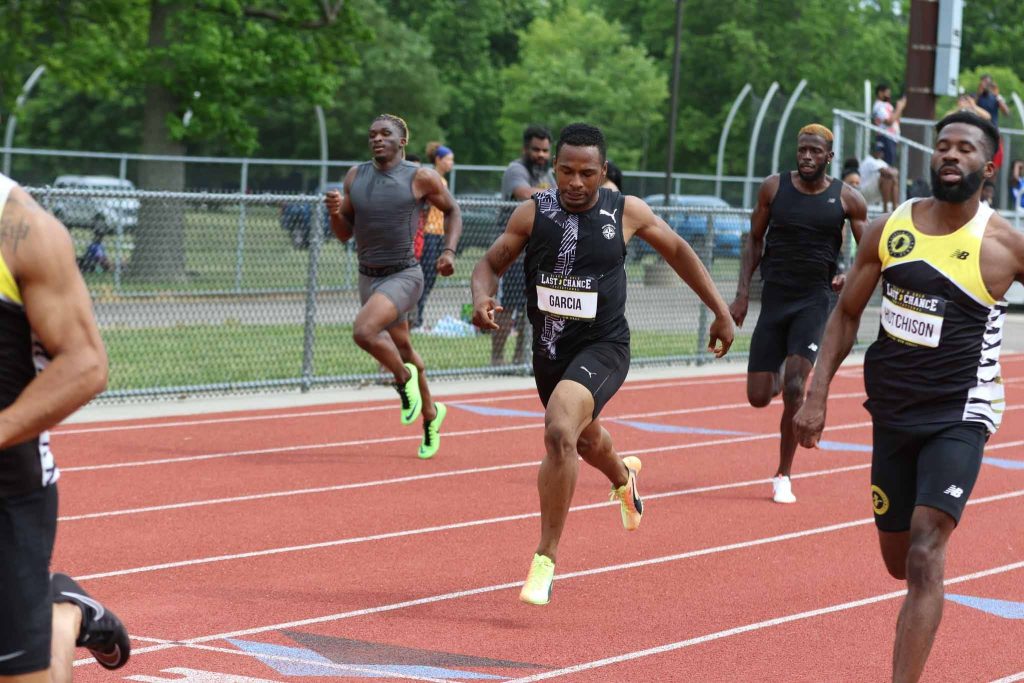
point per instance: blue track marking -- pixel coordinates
(1006, 609)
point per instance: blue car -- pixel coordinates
(729, 227)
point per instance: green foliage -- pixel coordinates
(603, 80)
(993, 33)
(102, 51)
(472, 73)
(834, 44)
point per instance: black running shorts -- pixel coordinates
(28, 524)
(790, 324)
(934, 465)
(601, 367)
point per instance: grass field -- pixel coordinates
(207, 354)
(230, 250)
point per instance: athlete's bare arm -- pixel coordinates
(40, 255)
(840, 333)
(496, 261)
(1002, 256)
(755, 246)
(340, 210)
(639, 220)
(856, 210)
(428, 185)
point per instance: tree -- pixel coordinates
(603, 80)
(170, 56)
(726, 45)
(993, 33)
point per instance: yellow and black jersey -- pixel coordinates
(29, 465)
(936, 358)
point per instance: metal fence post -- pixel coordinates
(240, 251)
(709, 262)
(309, 323)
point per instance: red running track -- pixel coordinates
(265, 545)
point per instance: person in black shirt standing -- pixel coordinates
(798, 224)
(575, 238)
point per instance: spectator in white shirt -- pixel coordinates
(879, 180)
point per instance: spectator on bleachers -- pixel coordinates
(878, 180)
(887, 115)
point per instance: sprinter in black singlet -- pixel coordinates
(381, 209)
(575, 240)
(933, 380)
(798, 223)
(52, 362)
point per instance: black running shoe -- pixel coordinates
(102, 632)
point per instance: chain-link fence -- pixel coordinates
(204, 293)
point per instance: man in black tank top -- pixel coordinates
(798, 225)
(935, 392)
(381, 207)
(575, 240)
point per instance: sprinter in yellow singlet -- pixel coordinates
(933, 381)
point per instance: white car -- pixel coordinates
(102, 215)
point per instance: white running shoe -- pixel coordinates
(782, 490)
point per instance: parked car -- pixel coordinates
(297, 218)
(693, 225)
(102, 215)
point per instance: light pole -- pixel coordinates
(674, 106)
(12, 122)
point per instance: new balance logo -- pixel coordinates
(954, 491)
(832, 200)
(960, 254)
(612, 214)
(589, 373)
(813, 347)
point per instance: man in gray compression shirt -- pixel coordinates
(381, 207)
(523, 178)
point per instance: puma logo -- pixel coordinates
(589, 373)
(612, 214)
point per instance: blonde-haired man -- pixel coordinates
(796, 231)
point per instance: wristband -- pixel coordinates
(448, 249)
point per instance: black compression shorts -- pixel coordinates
(601, 367)
(933, 465)
(28, 524)
(790, 324)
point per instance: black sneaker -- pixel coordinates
(102, 633)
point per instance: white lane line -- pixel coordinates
(1011, 678)
(164, 644)
(288, 449)
(435, 529)
(416, 477)
(590, 572)
(393, 439)
(748, 628)
(361, 409)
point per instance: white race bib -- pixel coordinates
(911, 317)
(569, 296)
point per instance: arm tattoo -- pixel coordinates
(13, 232)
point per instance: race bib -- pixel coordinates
(569, 296)
(911, 317)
